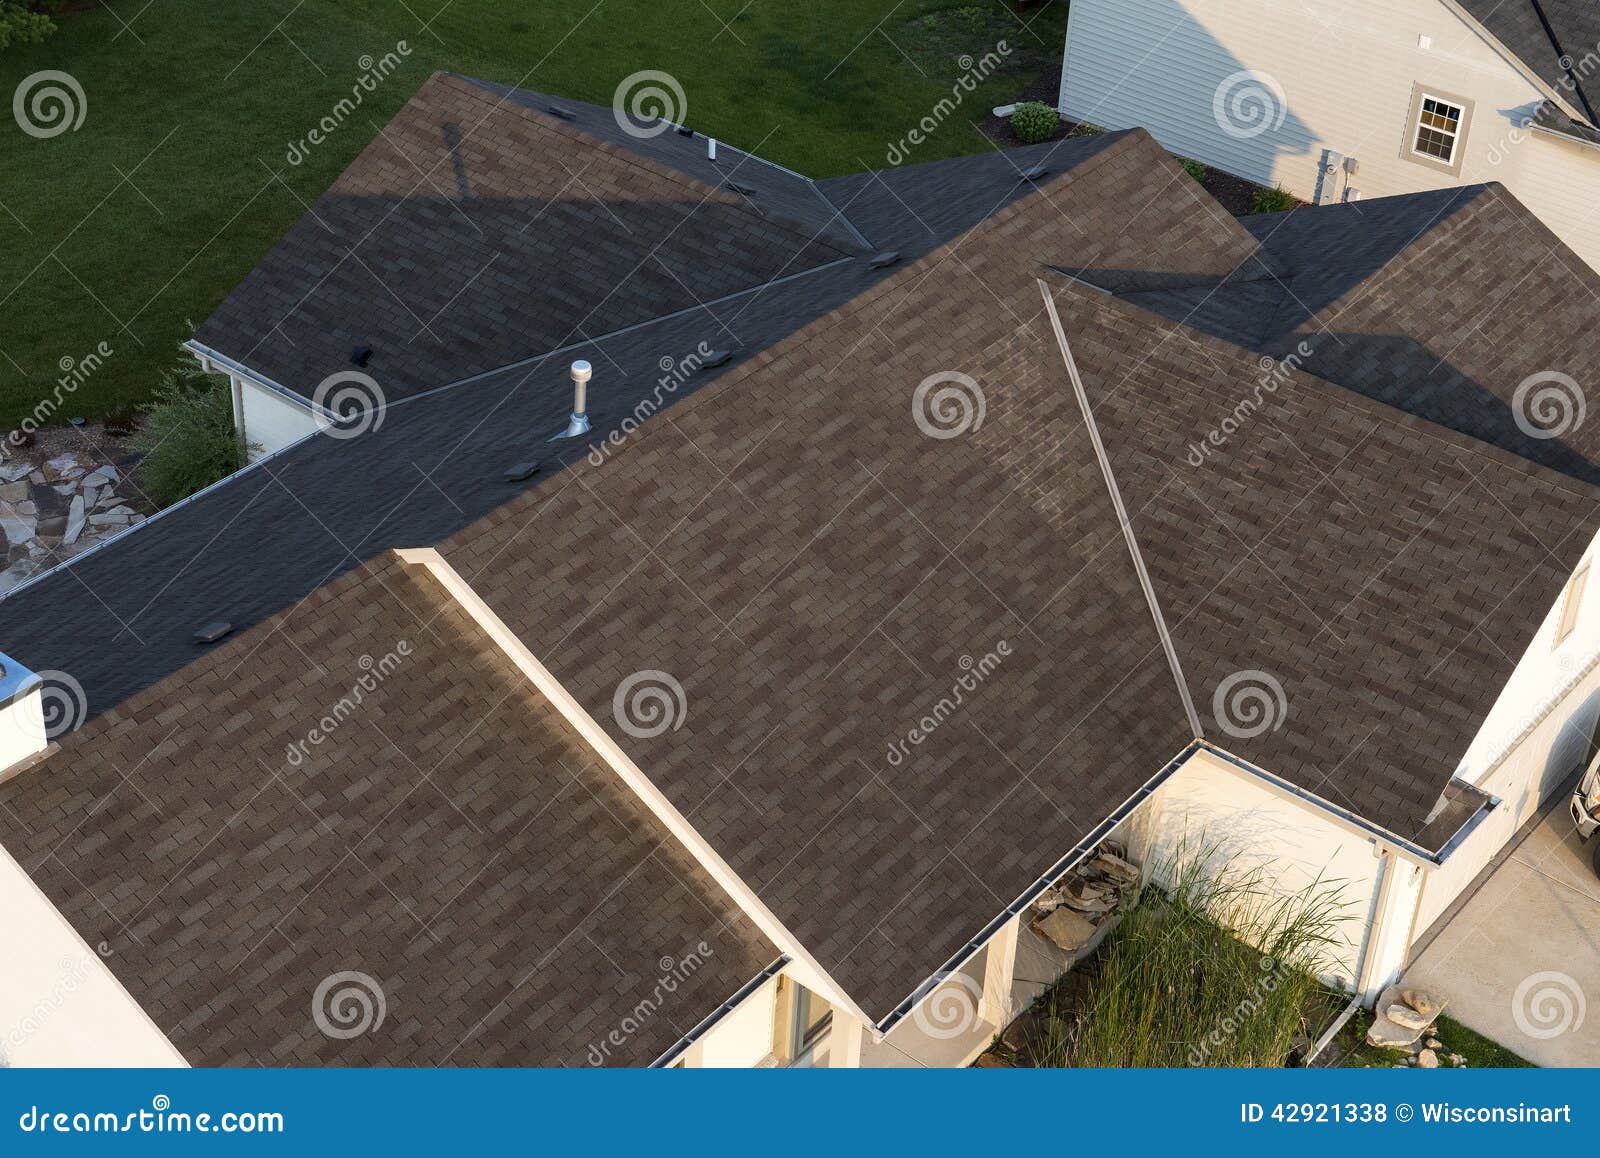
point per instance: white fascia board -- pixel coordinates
(1516, 62)
(230, 366)
(611, 753)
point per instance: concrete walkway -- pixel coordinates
(1520, 961)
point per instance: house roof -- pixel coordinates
(1443, 304)
(1554, 38)
(369, 786)
(476, 230)
(1362, 577)
(820, 577)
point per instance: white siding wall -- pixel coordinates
(59, 1004)
(1346, 70)
(743, 1038)
(270, 421)
(1533, 739)
(1208, 801)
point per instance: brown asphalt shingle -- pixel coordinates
(1386, 572)
(475, 231)
(451, 838)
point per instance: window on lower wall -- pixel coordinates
(1572, 604)
(1436, 129)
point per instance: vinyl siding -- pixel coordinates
(1346, 71)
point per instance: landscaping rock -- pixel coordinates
(1427, 1060)
(1391, 1034)
(13, 471)
(15, 492)
(1066, 929)
(75, 521)
(1426, 1004)
(17, 573)
(1115, 867)
(1434, 1043)
(1402, 1014)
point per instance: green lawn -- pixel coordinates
(132, 228)
(1480, 1052)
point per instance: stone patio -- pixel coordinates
(52, 508)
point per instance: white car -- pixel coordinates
(1586, 806)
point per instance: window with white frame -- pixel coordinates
(1438, 128)
(1572, 603)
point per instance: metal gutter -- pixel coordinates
(1376, 831)
(710, 1021)
(201, 350)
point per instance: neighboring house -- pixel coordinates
(893, 576)
(1339, 100)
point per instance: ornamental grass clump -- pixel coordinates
(1181, 981)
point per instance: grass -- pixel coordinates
(132, 228)
(1480, 1052)
(1175, 985)
(1274, 200)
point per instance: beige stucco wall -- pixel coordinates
(59, 1004)
(1338, 75)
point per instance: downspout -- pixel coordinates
(1381, 905)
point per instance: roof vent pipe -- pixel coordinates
(711, 148)
(578, 424)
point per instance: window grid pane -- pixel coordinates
(1438, 124)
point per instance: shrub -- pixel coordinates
(1274, 200)
(188, 439)
(26, 21)
(1034, 121)
(1194, 168)
(1085, 129)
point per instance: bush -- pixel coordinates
(26, 21)
(188, 440)
(1274, 200)
(1034, 121)
(1194, 168)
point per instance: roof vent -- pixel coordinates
(1035, 173)
(711, 148)
(560, 113)
(685, 131)
(578, 424)
(361, 355)
(213, 631)
(747, 190)
(716, 358)
(521, 471)
(884, 260)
